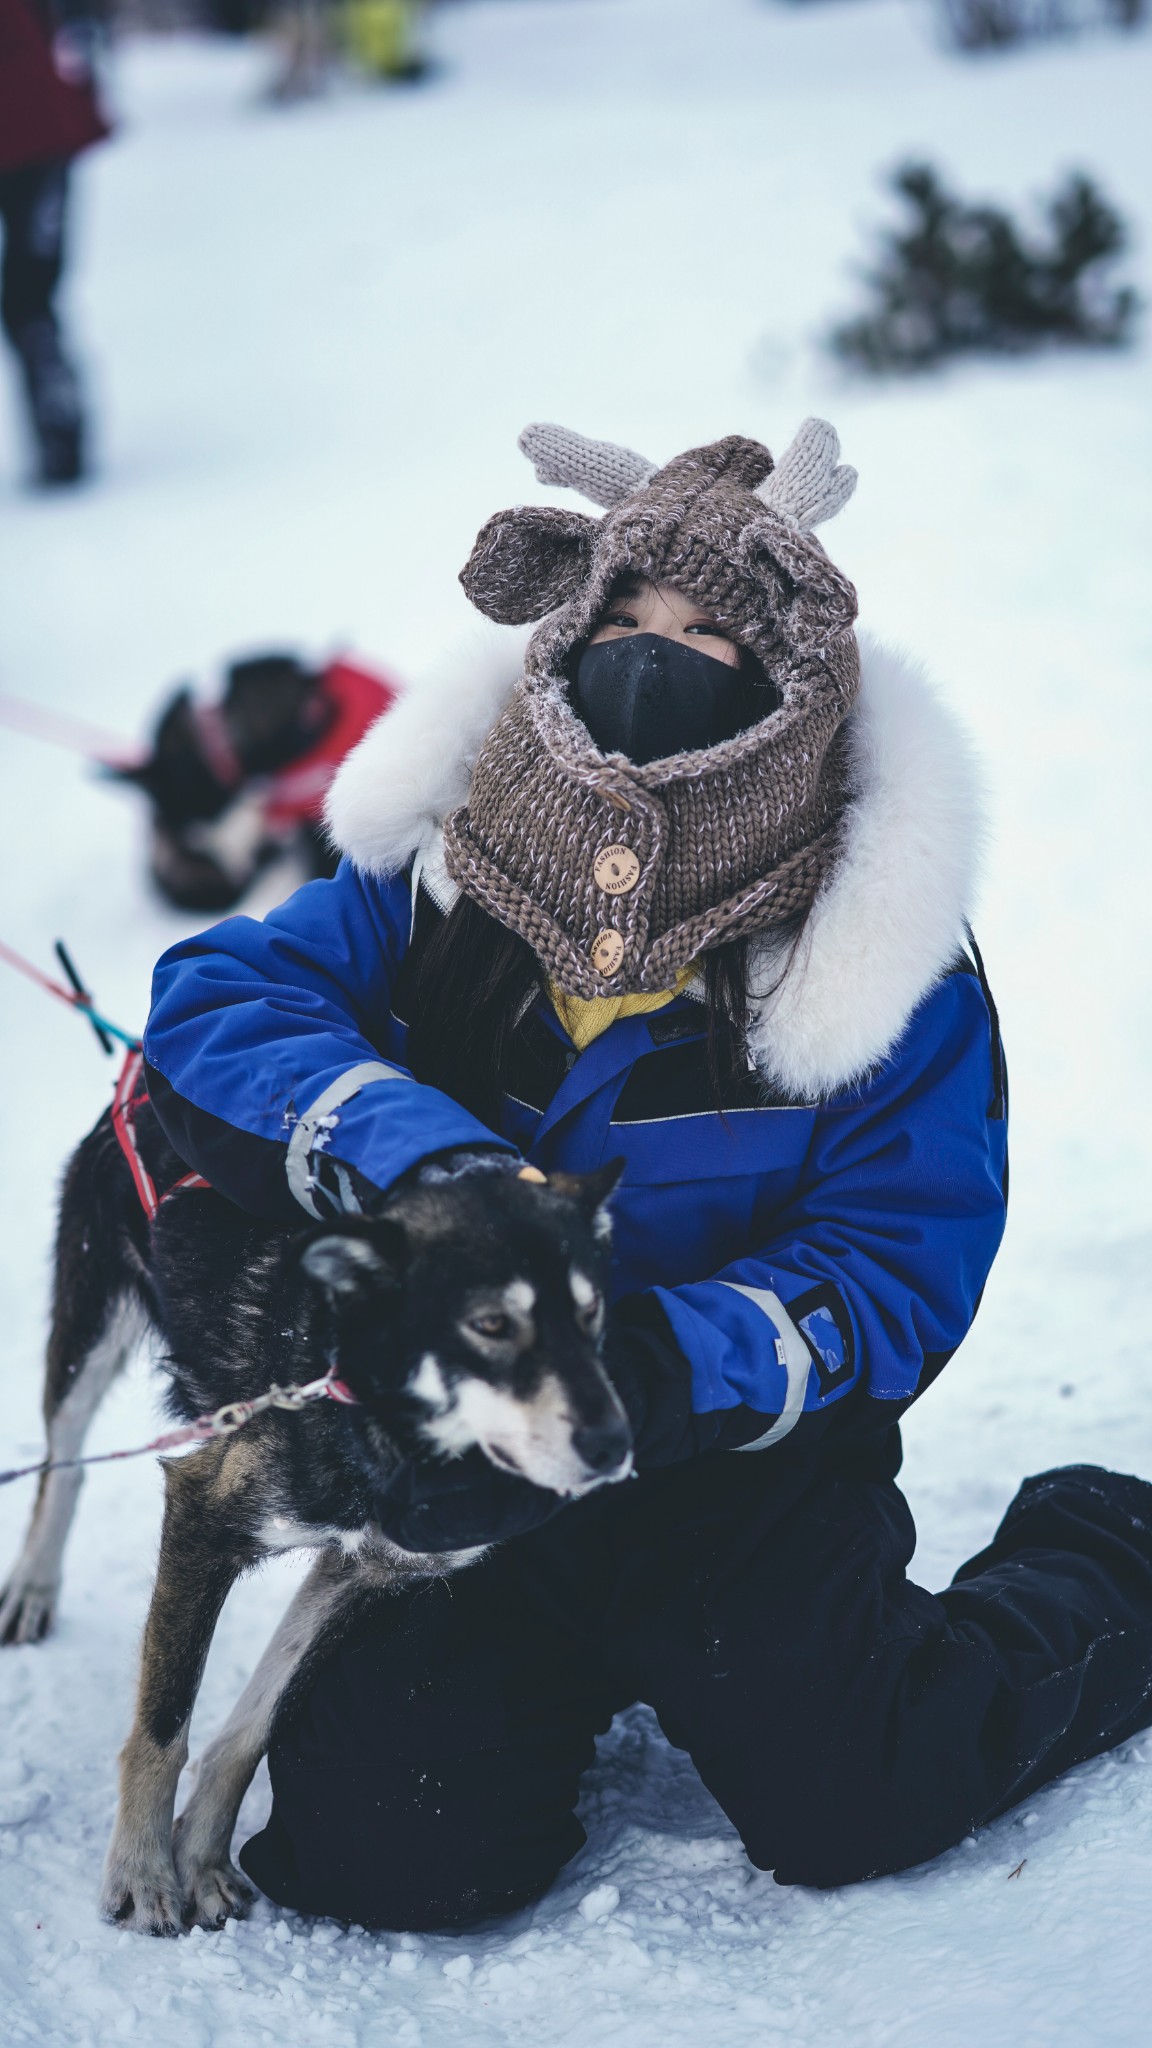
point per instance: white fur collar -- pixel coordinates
(414, 765)
(885, 926)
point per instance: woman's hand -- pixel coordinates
(654, 1381)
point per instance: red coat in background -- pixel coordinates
(43, 118)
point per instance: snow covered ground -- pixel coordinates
(314, 336)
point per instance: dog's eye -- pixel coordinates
(494, 1325)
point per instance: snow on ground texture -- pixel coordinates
(314, 335)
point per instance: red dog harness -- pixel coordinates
(130, 1097)
(357, 698)
(292, 796)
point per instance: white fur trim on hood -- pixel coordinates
(885, 926)
(414, 765)
(890, 919)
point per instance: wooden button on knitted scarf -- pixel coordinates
(607, 952)
(616, 870)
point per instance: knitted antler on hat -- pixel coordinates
(599, 470)
(806, 485)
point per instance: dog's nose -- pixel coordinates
(603, 1445)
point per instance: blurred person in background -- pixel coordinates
(380, 38)
(302, 33)
(49, 112)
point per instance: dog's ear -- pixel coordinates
(266, 695)
(528, 561)
(348, 1262)
(589, 1191)
(176, 725)
(173, 742)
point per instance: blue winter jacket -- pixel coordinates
(803, 1255)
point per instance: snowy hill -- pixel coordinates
(314, 335)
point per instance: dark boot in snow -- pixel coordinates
(54, 403)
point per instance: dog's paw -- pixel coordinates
(214, 1895)
(26, 1612)
(210, 1884)
(146, 1900)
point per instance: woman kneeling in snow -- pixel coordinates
(691, 894)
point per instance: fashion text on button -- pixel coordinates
(616, 870)
(607, 951)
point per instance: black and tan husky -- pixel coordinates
(466, 1316)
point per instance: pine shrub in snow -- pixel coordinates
(961, 278)
(991, 24)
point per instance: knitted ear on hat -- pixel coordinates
(528, 561)
(808, 595)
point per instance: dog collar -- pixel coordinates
(337, 1389)
(217, 749)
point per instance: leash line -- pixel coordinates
(78, 988)
(77, 997)
(223, 1421)
(95, 745)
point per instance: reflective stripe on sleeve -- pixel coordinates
(794, 1356)
(313, 1126)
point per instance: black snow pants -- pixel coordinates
(847, 1722)
(33, 209)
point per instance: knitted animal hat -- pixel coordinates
(618, 876)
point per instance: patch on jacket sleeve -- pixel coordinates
(822, 1318)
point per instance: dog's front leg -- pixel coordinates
(213, 1890)
(200, 1559)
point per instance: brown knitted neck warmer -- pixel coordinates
(618, 876)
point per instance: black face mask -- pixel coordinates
(646, 697)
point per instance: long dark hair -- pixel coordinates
(467, 987)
